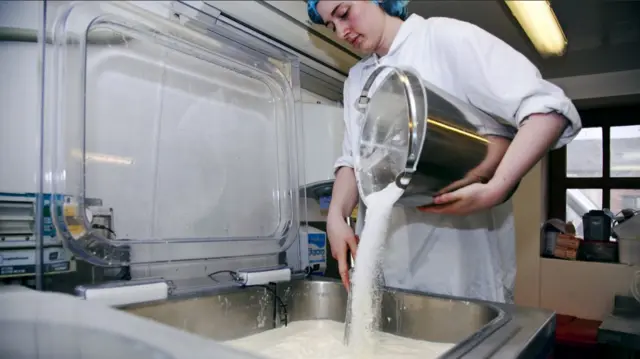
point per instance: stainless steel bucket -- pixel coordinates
(422, 138)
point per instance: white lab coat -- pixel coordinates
(469, 256)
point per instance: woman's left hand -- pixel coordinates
(472, 198)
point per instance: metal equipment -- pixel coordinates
(18, 237)
(422, 138)
(479, 330)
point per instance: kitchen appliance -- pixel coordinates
(19, 249)
(18, 213)
(597, 226)
(312, 250)
(422, 138)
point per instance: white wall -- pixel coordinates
(19, 118)
(19, 125)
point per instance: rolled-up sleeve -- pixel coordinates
(499, 80)
(346, 159)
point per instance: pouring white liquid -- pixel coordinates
(366, 290)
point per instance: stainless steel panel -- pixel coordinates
(224, 315)
(309, 300)
(404, 313)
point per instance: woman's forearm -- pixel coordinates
(534, 138)
(344, 197)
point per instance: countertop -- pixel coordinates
(528, 334)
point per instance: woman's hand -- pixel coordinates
(474, 192)
(469, 199)
(342, 239)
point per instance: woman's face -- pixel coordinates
(359, 22)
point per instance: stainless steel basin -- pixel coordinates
(234, 313)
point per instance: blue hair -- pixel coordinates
(397, 8)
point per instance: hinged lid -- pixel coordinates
(188, 136)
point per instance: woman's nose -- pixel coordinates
(341, 30)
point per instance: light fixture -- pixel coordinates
(539, 22)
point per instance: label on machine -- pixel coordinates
(318, 251)
(22, 262)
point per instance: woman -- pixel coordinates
(464, 247)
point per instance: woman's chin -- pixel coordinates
(364, 49)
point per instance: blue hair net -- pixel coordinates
(397, 8)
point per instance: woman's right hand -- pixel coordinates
(341, 238)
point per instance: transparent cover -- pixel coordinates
(392, 129)
(167, 135)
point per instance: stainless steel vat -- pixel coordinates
(234, 313)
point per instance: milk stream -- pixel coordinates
(366, 292)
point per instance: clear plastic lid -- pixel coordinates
(393, 125)
(180, 141)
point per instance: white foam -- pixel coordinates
(322, 339)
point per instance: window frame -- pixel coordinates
(557, 180)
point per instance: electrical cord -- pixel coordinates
(100, 226)
(233, 274)
(282, 306)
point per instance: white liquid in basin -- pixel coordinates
(322, 339)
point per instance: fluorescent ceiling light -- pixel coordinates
(539, 22)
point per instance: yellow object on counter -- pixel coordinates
(75, 227)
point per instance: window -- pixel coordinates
(599, 169)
